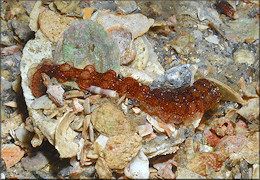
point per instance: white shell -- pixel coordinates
(33, 53)
(138, 168)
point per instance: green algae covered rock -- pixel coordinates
(86, 42)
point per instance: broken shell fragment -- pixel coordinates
(66, 6)
(123, 37)
(250, 90)
(137, 23)
(255, 171)
(77, 107)
(33, 23)
(142, 54)
(204, 160)
(10, 50)
(250, 151)
(87, 12)
(227, 92)
(73, 94)
(153, 67)
(64, 137)
(244, 56)
(161, 145)
(42, 102)
(165, 169)
(212, 138)
(138, 168)
(77, 123)
(23, 135)
(155, 124)
(223, 126)
(82, 155)
(11, 154)
(55, 93)
(37, 138)
(183, 173)
(126, 6)
(139, 75)
(231, 144)
(10, 124)
(250, 111)
(144, 130)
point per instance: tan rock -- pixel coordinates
(110, 121)
(184, 43)
(204, 160)
(66, 6)
(102, 169)
(33, 24)
(120, 150)
(251, 151)
(53, 24)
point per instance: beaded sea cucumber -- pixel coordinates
(171, 106)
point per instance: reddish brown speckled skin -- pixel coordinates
(225, 8)
(171, 106)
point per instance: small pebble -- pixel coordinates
(22, 30)
(212, 39)
(244, 56)
(237, 176)
(2, 176)
(136, 110)
(244, 169)
(202, 27)
(36, 162)
(126, 6)
(197, 35)
(11, 104)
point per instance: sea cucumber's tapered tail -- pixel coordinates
(179, 106)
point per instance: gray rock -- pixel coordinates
(22, 30)
(244, 169)
(35, 162)
(126, 6)
(7, 36)
(174, 78)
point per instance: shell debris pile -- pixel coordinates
(138, 90)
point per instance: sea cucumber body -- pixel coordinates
(171, 106)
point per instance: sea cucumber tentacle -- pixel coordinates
(171, 106)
